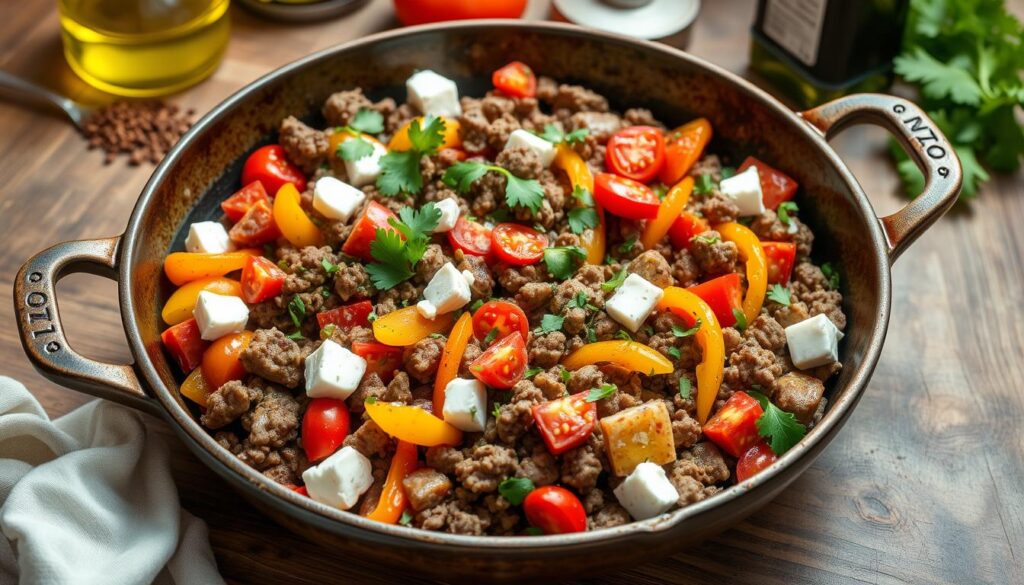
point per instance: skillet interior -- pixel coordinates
(206, 165)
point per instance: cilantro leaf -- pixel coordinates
(939, 80)
(685, 388)
(779, 294)
(615, 281)
(368, 121)
(741, 319)
(831, 274)
(462, 175)
(355, 149)
(550, 323)
(627, 246)
(562, 261)
(519, 192)
(703, 185)
(297, 311)
(786, 208)
(515, 489)
(400, 173)
(532, 372)
(391, 266)
(428, 137)
(680, 332)
(406, 518)
(674, 352)
(553, 135)
(583, 195)
(565, 375)
(601, 393)
(778, 426)
(328, 267)
(581, 219)
(419, 223)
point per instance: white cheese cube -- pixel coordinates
(365, 170)
(336, 199)
(449, 215)
(647, 492)
(339, 480)
(813, 342)
(333, 371)
(208, 237)
(745, 191)
(433, 94)
(465, 404)
(633, 301)
(217, 315)
(447, 291)
(544, 149)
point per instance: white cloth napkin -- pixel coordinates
(88, 498)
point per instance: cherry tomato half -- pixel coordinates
(754, 460)
(222, 360)
(734, 426)
(776, 186)
(515, 79)
(184, 342)
(565, 423)
(261, 280)
(422, 11)
(555, 510)
(324, 426)
(781, 257)
(625, 197)
(269, 166)
(375, 217)
(347, 316)
(256, 227)
(471, 237)
(504, 316)
(503, 364)
(381, 359)
(517, 244)
(636, 152)
(234, 207)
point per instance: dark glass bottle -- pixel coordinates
(816, 50)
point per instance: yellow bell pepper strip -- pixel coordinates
(592, 242)
(295, 225)
(195, 388)
(668, 212)
(451, 359)
(182, 267)
(179, 307)
(692, 309)
(757, 265)
(632, 355)
(335, 140)
(412, 424)
(400, 141)
(406, 326)
(392, 500)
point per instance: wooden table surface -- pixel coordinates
(925, 484)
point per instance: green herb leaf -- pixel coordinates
(533, 531)
(582, 219)
(565, 375)
(328, 267)
(372, 316)
(707, 239)
(461, 175)
(368, 121)
(583, 195)
(601, 393)
(328, 331)
(785, 209)
(391, 266)
(297, 311)
(623, 335)
(703, 185)
(553, 135)
(727, 172)
(778, 426)
(400, 173)
(532, 372)
(496, 410)
(406, 518)
(562, 261)
(429, 137)
(939, 80)
(741, 319)
(680, 332)
(674, 352)
(831, 274)
(627, 246)
(418, 223)
(476, 305)
(370, 400)
(515, 489)
(685, 388)
(580, 301)
(661, 190)
(550, 323)
(526, 193)
(491, 335)
(615, 282)
(779, 294)
(354, 149)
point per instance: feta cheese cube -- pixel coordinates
(544, 149)
(365, 170)
(647, 492)
(633, 301)
(447, 291)
(217, 315)
(336, 199)
(745, 191)
(339, 480)
(465, 404)
(813, 342)
(449, 215)
(208, 237)
(433, 94)
(333, 371)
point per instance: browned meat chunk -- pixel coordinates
(652, 267)
(426, 488)
(273, 356)
(800, 394)
(304, 146)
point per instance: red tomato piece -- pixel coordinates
(555, 510)
(776, 186)
(261, 280)
(234, 207)
(754, 460)
(422, 11)
(636, 152)
(734, 426)
(299, 489)
(364, 233)
(503, 364)
(504, 316)
(256, 227)
(184, 342)
(324, 426)
(625, 197)
(381, 359)
(515, 79)
(270, 166)
(684, 228)
(723, 295)
(517, 244)
(565, 423)
(347, 316)
(781, 258)
(471, 237)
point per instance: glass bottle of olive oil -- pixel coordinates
(144, 47)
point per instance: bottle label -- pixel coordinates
(796, 26)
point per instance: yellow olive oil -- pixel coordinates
(144, 48)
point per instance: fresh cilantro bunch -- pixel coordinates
(966, 57)
(400, 171)
(518, 192)
(395, 257)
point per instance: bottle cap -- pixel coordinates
(667, 21)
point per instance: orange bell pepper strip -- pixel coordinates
(412, 424)
(392, 500)
(692, 309)
(179, 307)
(295, 225)
(182, 267)
(683, 147)
(195, 388)
(593, 241)
(757, 265)
(400, 141)
(632, 355)
(406, 326)
(222, 361)
(668, 212)
(451, 359)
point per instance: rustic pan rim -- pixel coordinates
(281, 497)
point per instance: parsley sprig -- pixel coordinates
(395, 257)
(525, 193)
(583, 217)
(550, 323)
(779, 294)
(562, 261)
(400, 171)
(778, 426)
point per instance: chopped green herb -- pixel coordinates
(661, 190)
(680, 332)
(476, 305)
(627, 246)
(591, 335)
(582, 219)
(354, 149)
(368, 121)
(779, 294)
(562, 261)
(526, 193)
(615, 281)
(473, 411)
(674, 352)
(406, 518)
(550, 323)
(778, 426)
(372, 316)
(553, 135)
(297, 311)
(515, 489)
(296, 336)
(741, 319)
(532, 372)
(496, 409)
(283, 265)
(583, 195)
(328, 267)
(707, 240)
(371, 400)
(400, 171)
(601, 393)
(325, 292)
(685, 388)
(785, 209)
(831, 274)
(491, 335)
(580, 301)
(328, 331)
(499, 215)
(436, 336)
(623, 335)
(703, 185)
(649, 330)
(565, 375)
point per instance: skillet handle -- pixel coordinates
(922, 140)
(42, 333)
